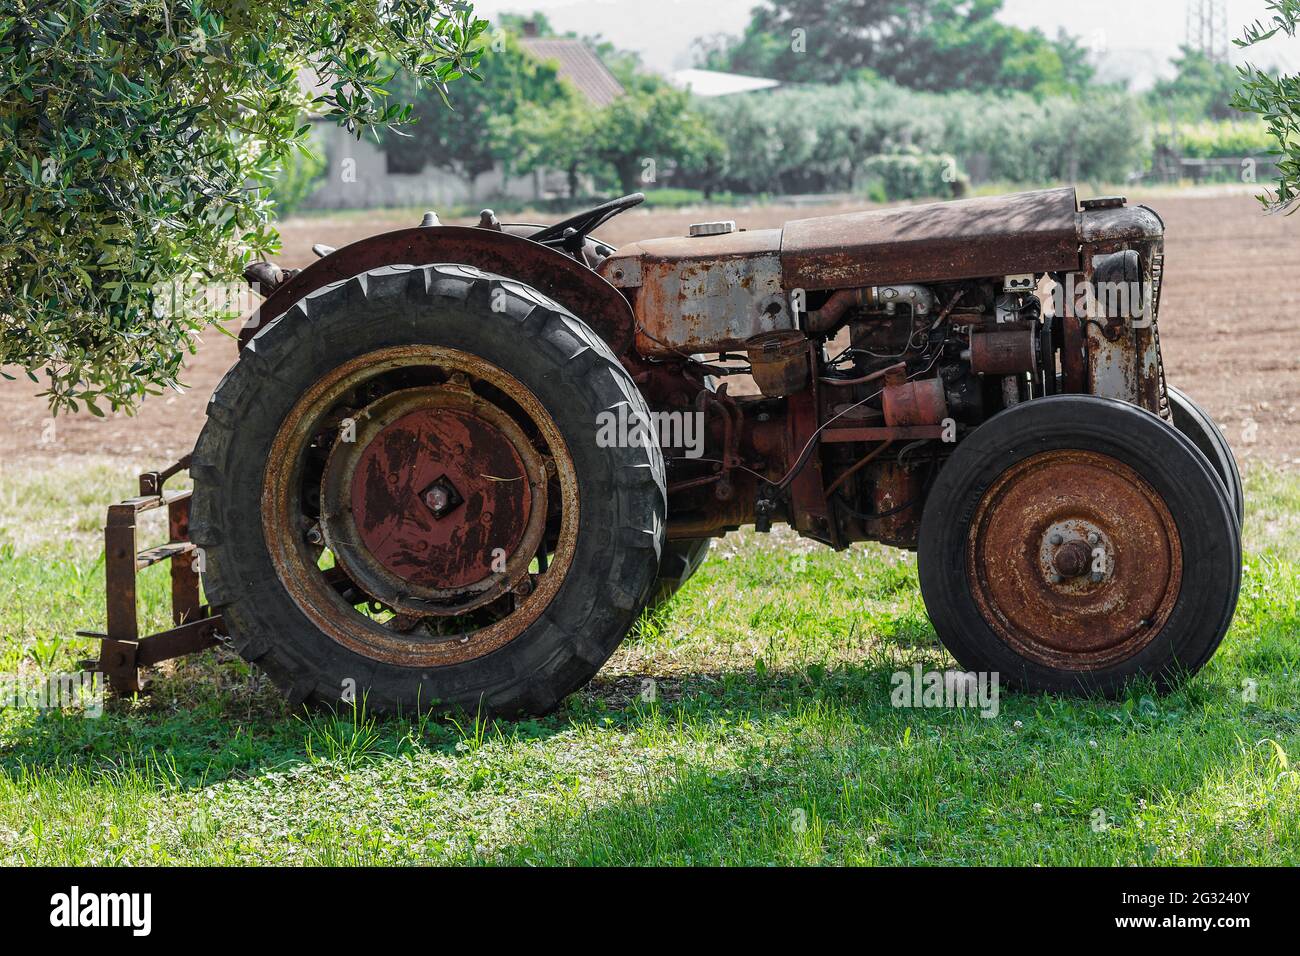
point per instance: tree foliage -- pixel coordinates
(650, 129)
(553, 136)
(1200, 88)
(1276, 98)
(138, 139)
(819, 138)
(469, 138)
(921, 44)
(629, 144)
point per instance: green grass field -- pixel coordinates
(769, 739)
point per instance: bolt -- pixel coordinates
(1093, 537)
(437, 499)
(1071, 560)
(314, 535)
(1097, 576)
(524, 587)
(1056, 538)
(1056, 578)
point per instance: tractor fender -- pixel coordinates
(552, 273)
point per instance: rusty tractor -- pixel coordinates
(453, 464)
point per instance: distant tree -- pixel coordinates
(551, 136)
(939, 45)
(630, 143)
(1277, 99)
(470, 137)
(1200, 87)
(642, 133)
(1076, 62)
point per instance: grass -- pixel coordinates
(748, 722)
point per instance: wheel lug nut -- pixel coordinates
(1056, 538)
(441, 497)
(1093, 538)
(1071, 560)
(1097, 576)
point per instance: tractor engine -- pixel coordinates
(832, 364)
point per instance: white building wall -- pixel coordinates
(357, 177)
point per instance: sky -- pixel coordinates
(1136, 38)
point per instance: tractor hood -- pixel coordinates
(714, 291)
(935, 242)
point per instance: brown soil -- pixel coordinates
(1228, 326)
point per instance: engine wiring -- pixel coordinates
(805, 453)
(912, 342)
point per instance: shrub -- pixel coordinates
(1224, 139)
(819, 138)
(915, 175)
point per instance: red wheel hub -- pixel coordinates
(439, 496)
(439, 504)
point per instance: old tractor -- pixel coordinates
(453, 464)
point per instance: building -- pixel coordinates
(358, 174)
(711, 83)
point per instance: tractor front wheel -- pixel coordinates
(1195, 422)
(1075, 543)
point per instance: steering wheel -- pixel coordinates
(572, 232)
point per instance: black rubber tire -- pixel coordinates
(1195, 422)
(680, 560)
(1165, 459)
(575, 376)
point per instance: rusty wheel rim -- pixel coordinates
(1074, 560)
(420, 506)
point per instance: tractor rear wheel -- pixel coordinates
(1195, 422)
(401, 499)
(1074, 543)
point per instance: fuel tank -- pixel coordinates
(702, 293)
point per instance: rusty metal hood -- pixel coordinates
(935, 242)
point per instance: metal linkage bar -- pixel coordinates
(122, 650)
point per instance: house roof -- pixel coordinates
(717, 83)
(578, 65)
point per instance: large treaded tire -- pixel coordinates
(574, 375)
(1195, 422)
(1163, 458)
